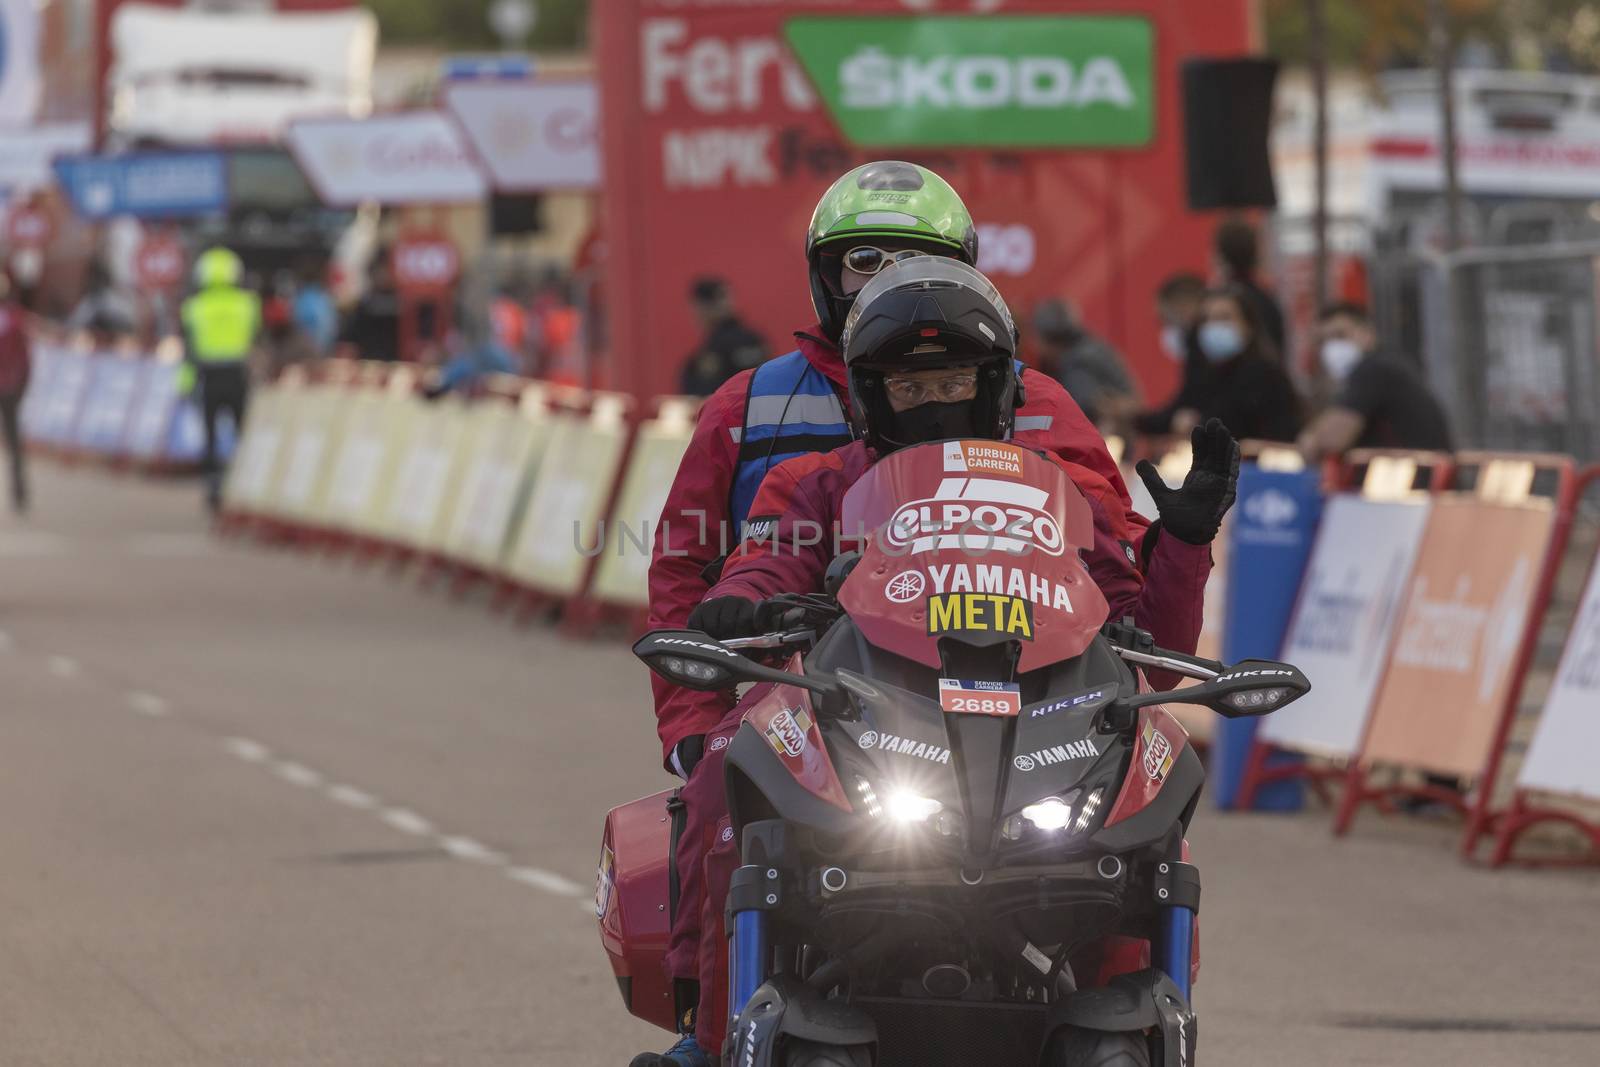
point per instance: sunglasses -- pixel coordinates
(864, 259)
(951, 388)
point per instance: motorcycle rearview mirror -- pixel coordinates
(1248, 688)
(696, 660)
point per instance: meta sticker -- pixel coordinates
(961, 696)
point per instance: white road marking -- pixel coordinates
(147, 704)
(296, 774)
(352, 797)
(465, 848)
(64, 667)
(246, 749)
(408, 821)
(548, 881)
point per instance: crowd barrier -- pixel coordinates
(1410, 587)
(117, 407)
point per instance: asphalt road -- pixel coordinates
(260, 808)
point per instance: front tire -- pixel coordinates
(1092, 1048)
(810, 1054)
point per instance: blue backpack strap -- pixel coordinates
(791, 409)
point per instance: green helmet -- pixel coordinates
(218, 266)
(883, 199)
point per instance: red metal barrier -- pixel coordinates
(1557, 474)
(1524, 812)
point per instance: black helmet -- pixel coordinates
(924, 314)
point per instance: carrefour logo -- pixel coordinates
(1023, 81)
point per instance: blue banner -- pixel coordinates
(145, 184)
(1273, 526)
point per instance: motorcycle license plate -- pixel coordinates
(963, 697)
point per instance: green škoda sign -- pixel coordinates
(1018, 81)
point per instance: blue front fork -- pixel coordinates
(747, 959)
(1177, 946)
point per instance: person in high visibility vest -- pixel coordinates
(220, 323)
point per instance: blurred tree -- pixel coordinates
(1375, 34)
(465, 23)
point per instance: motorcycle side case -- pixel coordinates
(1143, 1000)
(631, 892)
(786, 1006)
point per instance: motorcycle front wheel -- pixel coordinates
(1090, 1048)
(811, 1054)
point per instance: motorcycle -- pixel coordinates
(955, 788)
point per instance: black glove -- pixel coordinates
(687, 753)
(1193, 512)
(726, 616)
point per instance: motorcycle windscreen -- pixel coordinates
(976, 541)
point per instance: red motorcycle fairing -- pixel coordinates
(1155, 750)
(972, 540)
(786, 719)
(631, 891)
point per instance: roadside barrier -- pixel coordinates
(1482, 579)
(119, 408)
(1274, 523)
(1560, 763)
(1342, 629)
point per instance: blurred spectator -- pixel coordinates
(729, 346)
(557, 328)
(316, 319)
(1380, 401)
(106, 313)
(1085, 365)
(373, 325)
(1180, 304)
(1238, 378)
(477, 352)
(508, 315)
(1238, 250)
(15, 362)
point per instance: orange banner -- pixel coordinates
(1455, 652)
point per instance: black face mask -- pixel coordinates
(934, 421)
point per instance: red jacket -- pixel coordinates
(806, 493)
(13, 349)
(694, 530)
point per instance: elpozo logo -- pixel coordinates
(966, 520)
(1005, 80)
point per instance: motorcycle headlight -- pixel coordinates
(1051, 813)
(1054, 814)
(907, 807)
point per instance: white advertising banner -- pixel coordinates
(20, 84)
(1344, 622)
(532, 136)
(1561, 758)
(26, 154)
(416, 157)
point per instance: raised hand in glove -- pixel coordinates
(726, 616)
(1193, 511)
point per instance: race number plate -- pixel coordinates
(962, 697)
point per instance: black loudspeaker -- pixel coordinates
(1227, 115)
(515, 214)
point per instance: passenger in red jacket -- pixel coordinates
(929, 349)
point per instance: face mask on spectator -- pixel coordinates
(1339, 357)
(1172, 343)
(1221, 341)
